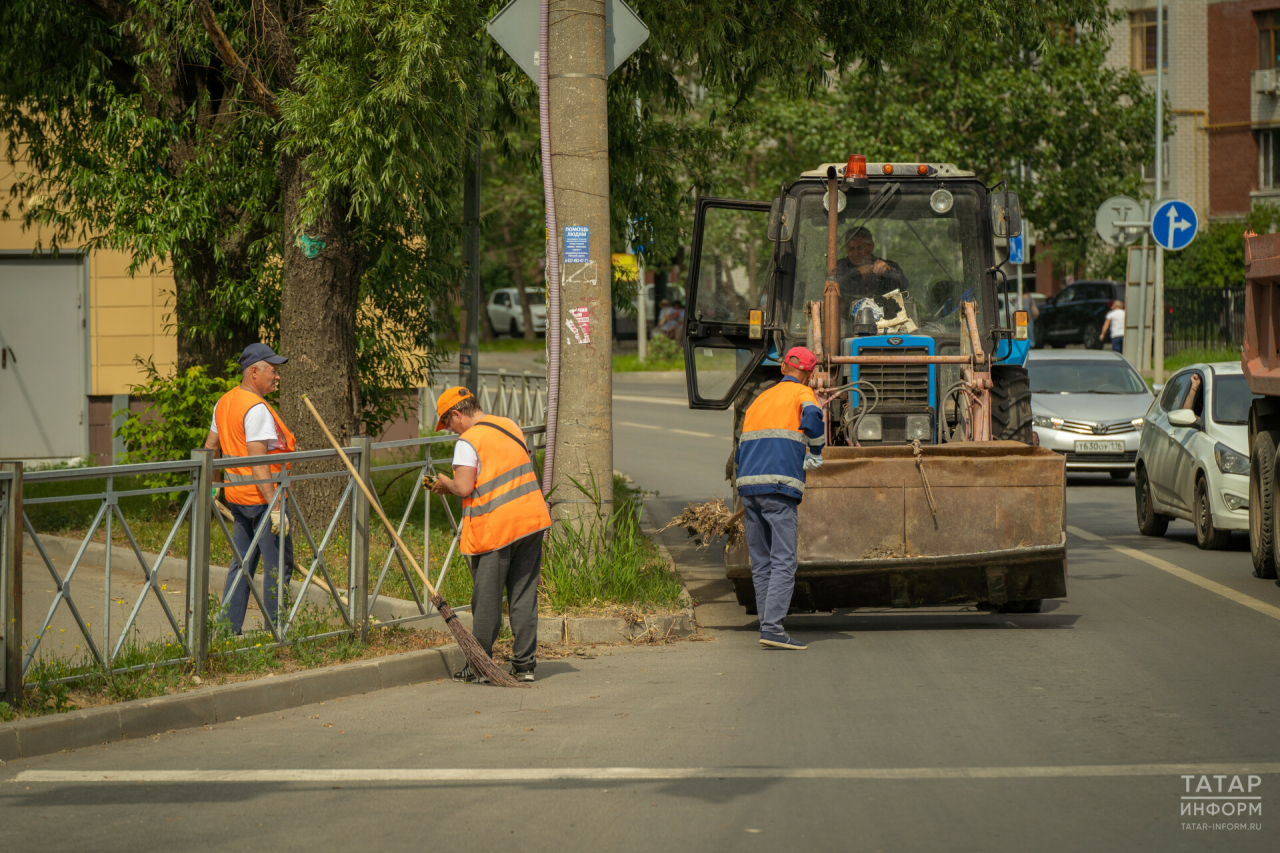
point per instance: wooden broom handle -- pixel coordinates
(355, 475)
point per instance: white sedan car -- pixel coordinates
(1088, 406)
(507, 317)
(1193, 461)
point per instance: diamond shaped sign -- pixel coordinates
(515, 29)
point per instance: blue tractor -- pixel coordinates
(932, 491)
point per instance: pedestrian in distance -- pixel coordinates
(245, 424)
(503, 517)
(783, 435)
(1115, 323)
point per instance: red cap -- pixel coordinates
(802, 358)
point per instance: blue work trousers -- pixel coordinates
(235, 595)
(1117, 344)
(771, 541)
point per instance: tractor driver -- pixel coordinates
(860, 273)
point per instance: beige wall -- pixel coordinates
(127, 314)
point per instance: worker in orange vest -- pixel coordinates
(245, 424)
(503, 516)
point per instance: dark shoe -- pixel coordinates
(781, 641)
(523, 674)
(469, 676)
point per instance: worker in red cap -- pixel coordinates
(503, 516)
(782, 437)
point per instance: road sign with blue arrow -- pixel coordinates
(1015, 250)
(1173, 224)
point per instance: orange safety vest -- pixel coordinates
(229, 415)
(506, 503)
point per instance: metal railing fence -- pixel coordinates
(1203, 318)
(519, 396)
(183, 636)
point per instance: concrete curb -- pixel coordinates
(222, 703)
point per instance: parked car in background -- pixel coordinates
(1075, 315)
(1193, 461)
(1038, 298)
(1088, 406)
(506, 317)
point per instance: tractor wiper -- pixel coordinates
(873, 207)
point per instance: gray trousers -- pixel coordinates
(516, 567)
(771, 542)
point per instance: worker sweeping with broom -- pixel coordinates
(503, 517)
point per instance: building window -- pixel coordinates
(1269, 159)
(1142, 41)
(1269, 40)
(1149, 169)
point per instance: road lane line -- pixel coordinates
(666, 401)
(1179, 572)
(695, 434)
(637, 426)
(551, 774)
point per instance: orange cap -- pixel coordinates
(449, 398)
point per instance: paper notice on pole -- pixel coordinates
(577, 240)
(579, 324)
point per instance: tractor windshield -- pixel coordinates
(934, 259)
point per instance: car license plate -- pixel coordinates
(1099, 447)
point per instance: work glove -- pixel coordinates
(278, 519)
(812, 461)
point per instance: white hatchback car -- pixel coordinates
(507, 317)
(1193, 460)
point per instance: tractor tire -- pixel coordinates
(1150, 522)
(1208, 537)
(1011, 404)
(1262, 499)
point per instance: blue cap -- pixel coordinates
(255, 353)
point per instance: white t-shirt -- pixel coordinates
(258, 426)
(465, 455)
(1116, 328)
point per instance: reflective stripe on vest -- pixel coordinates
(229, 416)
(506, 503)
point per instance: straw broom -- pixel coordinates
(480, 662)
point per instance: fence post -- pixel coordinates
(11, 584)
(358, 571)
(198, 560)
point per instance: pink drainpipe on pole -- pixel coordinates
(552, 249)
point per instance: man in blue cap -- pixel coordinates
(245, 424)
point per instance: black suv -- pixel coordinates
(1076, 314)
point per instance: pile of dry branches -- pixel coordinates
(707, 522)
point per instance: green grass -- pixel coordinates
(633, 364)
(1195, 356)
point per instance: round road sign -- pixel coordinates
(1173, 224)
(1119, 208)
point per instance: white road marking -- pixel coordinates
(637, 426)
(1179, 572)
(551, 774)
(695, 434)
(666, 401)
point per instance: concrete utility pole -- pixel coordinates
(580, 162)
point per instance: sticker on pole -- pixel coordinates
(577, 244)
(1173, 224)
(1015, 250)
(580, 324)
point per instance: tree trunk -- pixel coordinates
(319, 299)
(517, 276)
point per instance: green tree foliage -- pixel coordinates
(1216, 256)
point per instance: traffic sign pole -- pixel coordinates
(1144, 348)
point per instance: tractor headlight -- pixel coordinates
(1230, 462)
(870, 428)
(1046, 422)
(918, 427)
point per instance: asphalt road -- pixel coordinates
(940, 730)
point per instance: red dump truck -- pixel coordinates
(1261, 364)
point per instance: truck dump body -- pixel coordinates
(1261, 357)
(870, 538)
